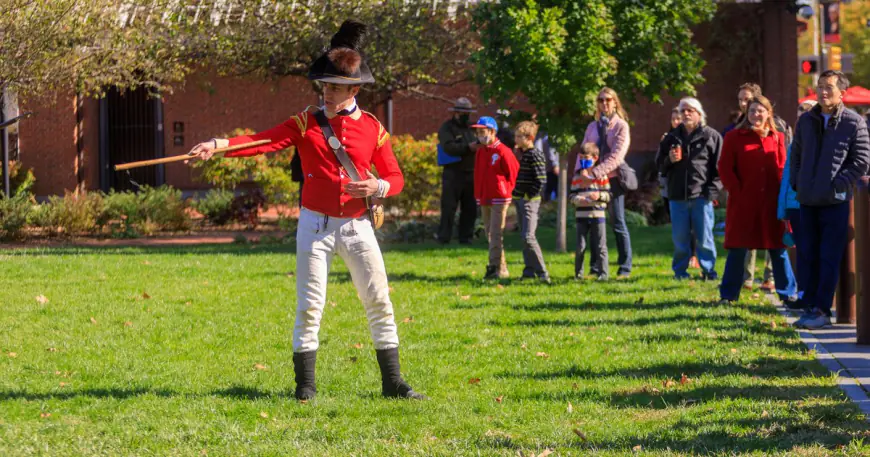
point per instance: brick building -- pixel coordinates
(71, 141)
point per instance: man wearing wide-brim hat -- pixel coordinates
(456, 148)
(334, 216)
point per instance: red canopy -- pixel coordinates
(855, 95)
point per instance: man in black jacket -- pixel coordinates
(830, 152)
(456, 148)
(688, 157)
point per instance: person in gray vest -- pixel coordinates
(456, 148)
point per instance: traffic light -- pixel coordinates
(835, 58)
(809, 66)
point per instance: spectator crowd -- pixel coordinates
(782, 186)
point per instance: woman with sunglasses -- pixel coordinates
(610, 132)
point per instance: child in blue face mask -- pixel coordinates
(590, 197)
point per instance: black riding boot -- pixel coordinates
(391, 378)
(303, 366)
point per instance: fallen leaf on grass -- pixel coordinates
(93, 321)
(609, 338)
(358, 345)
(304, 402)
(145, 262)
(499, 286)
(524, 346)
(44, 415)
(331, 303)
(575, 386)
(57, 373)
(637, 448)
(51, 349)
(64, 384)
(685, 379)
(545, 453)
(290, 274)
(698, 330)
(755, 296)
(765, 414)
(261, 367)
(474, 381)
(12, 355)
(570, 408)
(145, 295)
(773, 325)
(41, 299)
(668, 383)
(734, 350)
(580, 434)
(188, 303)
(128, 324)
(465, 297)
(408, 320)
(542, 354)
(264, 415)
(499, 398)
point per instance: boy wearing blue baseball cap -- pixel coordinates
(495, 175)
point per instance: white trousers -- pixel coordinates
(318, 239)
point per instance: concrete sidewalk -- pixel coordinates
(835, 348)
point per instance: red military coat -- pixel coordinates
(366, 142)
(750, 168)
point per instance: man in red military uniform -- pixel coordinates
(334, 217)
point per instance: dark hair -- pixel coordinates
(735, 115)
(842, 80)
(751, 87)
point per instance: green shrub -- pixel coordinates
(71, 214)
(271, 172)
(636, 219)
(417, 159)
(20, 181)
(215, 206)
(129, 214)
(164, 208)
(14, 214)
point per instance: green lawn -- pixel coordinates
(202, 364)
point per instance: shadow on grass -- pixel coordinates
(234, 392)
(764, 367)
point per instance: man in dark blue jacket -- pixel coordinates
(830, 152)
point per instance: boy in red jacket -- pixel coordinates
(495, 174)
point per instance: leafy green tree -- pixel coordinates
(560, 53)
(87, 46)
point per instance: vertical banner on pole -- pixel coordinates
(831, 20)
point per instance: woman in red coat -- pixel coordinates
(750, 167)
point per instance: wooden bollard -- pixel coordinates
(862, 241)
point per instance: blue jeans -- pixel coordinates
(732, 278)
(687, 216)
(620, 231)
(822, 244)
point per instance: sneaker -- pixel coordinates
(524, 277)
(682, 276)
(579, 276)
(602, 278)
(768, 286)
(726, 302)
(711, 276)
(491, 272)
(814, 319)
(623, 275)
(748, 285)
(545, 279)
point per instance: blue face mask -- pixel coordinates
(586, 163)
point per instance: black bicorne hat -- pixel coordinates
(342, 63)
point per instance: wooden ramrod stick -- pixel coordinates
(179, 158)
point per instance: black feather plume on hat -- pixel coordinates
(349, 35)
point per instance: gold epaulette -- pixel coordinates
(383, 134)
(302, 120)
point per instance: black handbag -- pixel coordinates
(627, 177)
